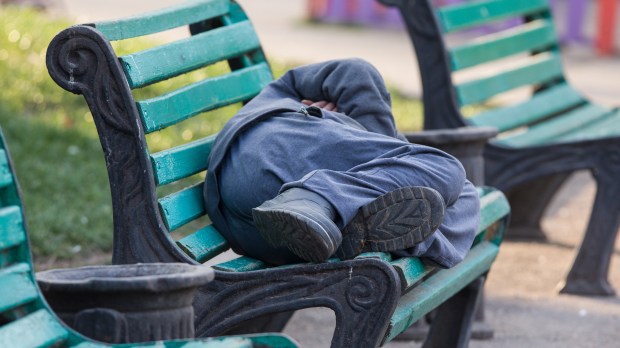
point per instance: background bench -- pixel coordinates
(544, 138)
(157, 193)
(25, 318)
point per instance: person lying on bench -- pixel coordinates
(313, 167)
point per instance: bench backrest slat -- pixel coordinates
(182, 161)
(157, 21)
(17, 287)
(5, 172)
(575, 119)
(166, 61)
(602, 128)
(536, 35)
(220, 32)
(49, 332)
(11, 227)
(543, 68)
(204, 244)
(548, 102)
(471, 14)
(507, 45)
(206, 95)
(183, 206)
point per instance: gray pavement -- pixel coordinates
(523, 304)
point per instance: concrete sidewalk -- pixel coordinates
(522, 300)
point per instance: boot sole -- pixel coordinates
(396, 220)
(302, 235)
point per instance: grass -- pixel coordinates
(55, 147)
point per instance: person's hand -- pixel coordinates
(323, 104)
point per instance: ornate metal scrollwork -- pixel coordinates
(81, 61)
(361, 293)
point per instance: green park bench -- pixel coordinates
(155, 193)
(26, 320)
(551, 133)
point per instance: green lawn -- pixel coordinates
(55, 148)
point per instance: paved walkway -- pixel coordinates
(523, 304)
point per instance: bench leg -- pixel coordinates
(451, 326)
(528, 203)
(589, 273)
(362, 293)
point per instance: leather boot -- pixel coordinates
(300, 220)
(394, 221)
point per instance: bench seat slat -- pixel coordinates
(241, 264)
(536, 35)
(493, 207)
(203, 244)
(6, 178)
(182, 161)
(607, 127)
(39, 329)
(171, 108)
(169, 18)
(548, 131)
(183, 206)
(471, 14)
(17, 287)
(387, 257)
(441, 286)
(546, 103)
(11, 227)
(539, 69)
(410, 271)
(166, 61)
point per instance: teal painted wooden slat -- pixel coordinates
(606, 127)
(546, 103)
(439, 287)
(160, 20)
(547, 132)
(39, 329)
(163, 62)
(469, 14)
(6, 177)
(246, 341)
(182, 207)
(17, 287)
(540, 69)
(224, 342)
(203, 244)
(171, 108)
(494, 207)
(410, 271)
(273, 340)
(92, 344)
(241, 264)
(182, 161)
(532, 36)
(11, 227)
(387, 257)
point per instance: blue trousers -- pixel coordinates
(350, 164)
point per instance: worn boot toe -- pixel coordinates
(301, 221)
